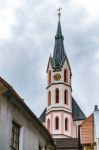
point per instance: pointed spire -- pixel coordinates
(59, 52)
(59, 31)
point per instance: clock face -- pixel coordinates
(57, 77)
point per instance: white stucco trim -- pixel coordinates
(21, 138)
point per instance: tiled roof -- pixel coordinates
(67, 143)
(77, 113)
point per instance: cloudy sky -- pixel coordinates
(27, 30)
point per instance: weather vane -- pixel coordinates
(59, 13)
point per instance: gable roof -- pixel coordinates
(77, 113)
(9, 90)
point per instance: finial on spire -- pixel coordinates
(59, 13)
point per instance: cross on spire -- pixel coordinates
(59, 13)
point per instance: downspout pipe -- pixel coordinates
(79, 139)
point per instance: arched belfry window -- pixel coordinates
(49, 77)
(66, 75)
(48, 124)
(66, 124)
(56, 123)
(49, 98)
(65, 97)
(57, 95)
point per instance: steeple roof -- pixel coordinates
(59, 52)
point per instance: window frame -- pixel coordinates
(56, 95)
(49, 77)
(56, 123)
(48, 124)
(65, 75)
(66, 124)
(49, 98)
(66, 97)
(15, 141)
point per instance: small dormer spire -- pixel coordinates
(96, 108)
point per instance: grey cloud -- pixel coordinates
(24, 57)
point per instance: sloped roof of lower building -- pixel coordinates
(67, 143)
(8, 90)
(77, 113)
(42, 116)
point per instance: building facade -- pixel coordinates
(20, 129)
(89, 131)
(62, 114)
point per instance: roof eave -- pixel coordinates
(21, 102)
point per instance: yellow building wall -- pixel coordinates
(88, 148)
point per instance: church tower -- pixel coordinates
(62, 114)
(59, 103)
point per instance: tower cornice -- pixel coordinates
(58, 84)
(59, 109)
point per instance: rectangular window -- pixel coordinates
(15, 136)
(40, 148)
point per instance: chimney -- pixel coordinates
(96, 108)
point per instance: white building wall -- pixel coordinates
(30, 137)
